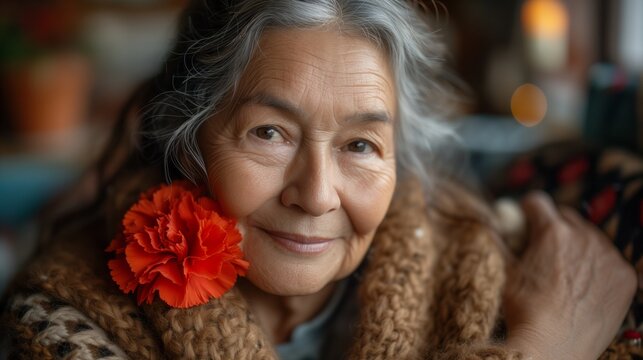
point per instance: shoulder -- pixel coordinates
(471, 249)
(470, 269)
(460, 222)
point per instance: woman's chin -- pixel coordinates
(290, 279)
(281, 268)
(287, 289)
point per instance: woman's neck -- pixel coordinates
(279, 315)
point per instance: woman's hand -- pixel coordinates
(569, 292)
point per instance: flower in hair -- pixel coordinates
(175, 241)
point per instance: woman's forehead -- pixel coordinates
(298, 63)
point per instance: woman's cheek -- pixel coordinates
(368, 194)
(243, 185)
(265, 153)
(243, 171)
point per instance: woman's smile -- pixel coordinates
(300, 244)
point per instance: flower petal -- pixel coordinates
(208, 204)
(140, 260)
(117, 245)
(173, 294)
(175, 237)
(241, 266)
(200, 290)
(227, 278)
(122, 275)
(170, 271)
(145, 293)
(211, 239)
(188, 211)
(208, 268)
(233, 238)
(138, 217)
(154, 242)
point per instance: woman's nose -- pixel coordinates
(311, 184)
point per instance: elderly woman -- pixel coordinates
(308, 124)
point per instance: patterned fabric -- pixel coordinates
(606, 186)
(621, 350)
(59, 330)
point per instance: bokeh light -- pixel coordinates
(544, 18)
(546, 23)
(528, 104)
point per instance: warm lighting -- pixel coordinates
(546, 23)
(544, 18)
(528, 105)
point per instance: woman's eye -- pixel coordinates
(267, 133)
(360, 146)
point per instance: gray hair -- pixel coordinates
(217, 39)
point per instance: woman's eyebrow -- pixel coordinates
(274, 102)
(370, 116)
(284, 105)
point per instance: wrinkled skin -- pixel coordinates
(304, 148)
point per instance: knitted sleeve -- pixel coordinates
(40, 327)
(481, 352)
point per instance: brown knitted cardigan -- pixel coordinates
(431, 289)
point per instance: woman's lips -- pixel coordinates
(299, 243)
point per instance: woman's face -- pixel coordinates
(304, 157)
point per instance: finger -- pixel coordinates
(539, 210)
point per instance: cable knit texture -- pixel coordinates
(430, 290)
(62, 331)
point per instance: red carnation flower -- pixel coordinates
(175, 242)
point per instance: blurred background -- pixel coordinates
(538, 71)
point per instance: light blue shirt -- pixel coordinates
(308, 338)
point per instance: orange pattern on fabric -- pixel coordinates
(175, 242)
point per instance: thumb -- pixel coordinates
(539, 210)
